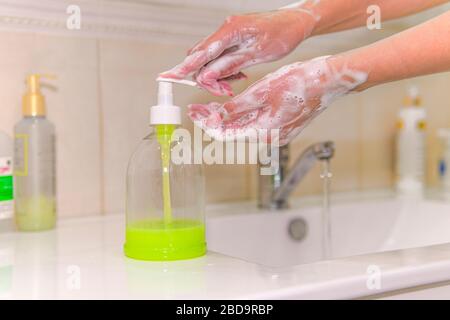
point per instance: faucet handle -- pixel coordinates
(324, 150)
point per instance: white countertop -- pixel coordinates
(83, 259)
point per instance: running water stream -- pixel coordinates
(326, 219)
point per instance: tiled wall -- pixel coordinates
(100, 107)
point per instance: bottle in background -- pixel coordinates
(411, 146)
(444, 163)
(6, 183)
(34, 163)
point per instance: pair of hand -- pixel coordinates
(286, 100)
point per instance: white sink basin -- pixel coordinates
(357, 228)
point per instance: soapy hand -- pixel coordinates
(286, 100)
(241, 42)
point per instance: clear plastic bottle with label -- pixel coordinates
(6, 183)
(34, 162)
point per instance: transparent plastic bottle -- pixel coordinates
(165, 200)
(34, 164)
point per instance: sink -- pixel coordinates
(295, 236)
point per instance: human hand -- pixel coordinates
(286, 100)
(241, 42)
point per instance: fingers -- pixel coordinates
(219, 124)
(206, 51)
(254, 97)
(209, 119)
(217, 88)
(194, 62)
(214, 116)
(223, 87)
(206, 115)
(215, 76)
(236, 77)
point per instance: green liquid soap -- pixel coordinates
(155, 240)
(36, 213)
(164, 136)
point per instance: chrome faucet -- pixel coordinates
(275, 190)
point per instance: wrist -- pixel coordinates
(305, 21)
(348, 72)
(308, 10)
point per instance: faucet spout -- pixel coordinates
(274, 192)
(317, 152)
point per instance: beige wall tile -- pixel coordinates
(125, 124)
(380, 109)
(12, 89)
(73, 108)
(35, 51)
(380, 106)
(226, 183)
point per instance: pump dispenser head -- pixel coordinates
(165, 112)
(33, 103)
(413, 98)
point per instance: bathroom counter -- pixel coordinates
(83, 259)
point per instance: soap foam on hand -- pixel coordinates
(286, 100)
(244, 41)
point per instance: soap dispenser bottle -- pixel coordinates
(34, 162)
(165, 197)
(411, 146)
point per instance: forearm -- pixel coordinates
(337, 15)
(422, 50)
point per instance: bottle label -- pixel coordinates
(21, 155)
(6, 179)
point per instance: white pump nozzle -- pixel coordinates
(413, 98)
(165, 112)
(165, 95)
(413, 92)
(178, 81)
